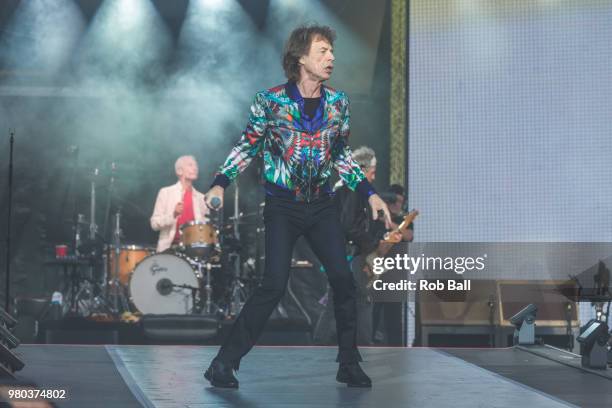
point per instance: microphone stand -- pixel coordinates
(76, 217)
(93, 228)
(7, 288)
(109, 199)
(491, 305)
(235, 302)
(208, 305)
(568, 327)
(119, 299)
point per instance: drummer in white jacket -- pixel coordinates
(178, 204)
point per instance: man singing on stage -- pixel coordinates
(302, 127)
(178, 204)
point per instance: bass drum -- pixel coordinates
(153, 285)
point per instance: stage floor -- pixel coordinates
(171, 376)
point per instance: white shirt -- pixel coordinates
(163, 219)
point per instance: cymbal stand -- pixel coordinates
(80, 287)
(237, 299)
(80, 219)
(116, 290)
(236, 210)
(259, 238)
(93, 228)
(7, 282)
(208, 304)
(109, 198)
(236, 286)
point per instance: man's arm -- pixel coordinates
(161, 219)
(342, 158)
(242, 153)
(355, 223)
(247, 147)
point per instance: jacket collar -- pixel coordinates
(294, 93)
(308, 123)
(180, 188)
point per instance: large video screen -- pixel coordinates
(510, 120)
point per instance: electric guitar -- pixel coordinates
(388, 239)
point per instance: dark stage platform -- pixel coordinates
(171, 376)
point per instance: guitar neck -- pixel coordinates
(407, 220)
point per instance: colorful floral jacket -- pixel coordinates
(299, 152)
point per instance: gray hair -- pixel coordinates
(365, 157)
(179, 162)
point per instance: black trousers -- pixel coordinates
(285, 221)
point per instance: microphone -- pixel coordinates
(215, 202)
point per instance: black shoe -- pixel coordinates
(221, 374)
(353, 375)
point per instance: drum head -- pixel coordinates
(151, 285)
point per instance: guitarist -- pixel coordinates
(396, 202)
(387, 328)
(363, 237)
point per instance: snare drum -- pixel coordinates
(162, 284)
(199, 239)
(129, 257)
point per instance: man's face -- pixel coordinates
(370, 174)
(398, 205)
(318, 64)
(189, 169)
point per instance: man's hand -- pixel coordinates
(407, 235)
(216, 191)
(393, 237)
(377, 204)
(178, 210)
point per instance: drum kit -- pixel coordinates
(135, 280)
(177, 281)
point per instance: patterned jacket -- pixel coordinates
(299, 152)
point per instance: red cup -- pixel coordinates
(61, 251)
